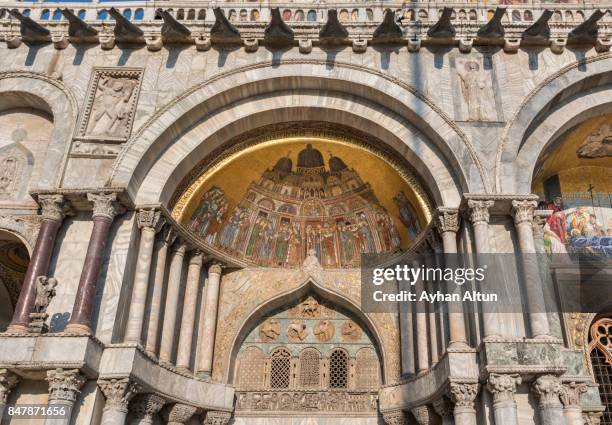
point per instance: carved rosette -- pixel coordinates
(8, 381)
(146, 406)
(178, 414)
(570, 394)
(150, 218)
(523, 211)
(443, 407)
(503, 386)
(118, 392)
(53, 207)
(479, 210)
(64, 385)
(548, 389)
(394, 417)
(217, 418)
(463, 394)
(105, 205)
(448, 221)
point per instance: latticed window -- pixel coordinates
(251, 369)
(601, 358)
(367, 369)
(280, 368)
(338, 369)
(310, 370)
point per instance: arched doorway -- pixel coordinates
(14, 260)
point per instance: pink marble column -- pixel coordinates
(105, 208)
(53, 209)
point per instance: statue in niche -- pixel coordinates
(598, 144)
(297, 331)
(476, 90)
(350, 331)
(45, 291)
(324, 330)
(270, 330)
(111, 106)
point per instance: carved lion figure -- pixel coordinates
(324, 330)
(297, 331)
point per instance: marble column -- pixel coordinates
(211, 304)
(445, 410)
(183, 358)
(523, 222)
(64, 388)
(158, 279)
(479, 216)
(463, 396)
(178, 414)
(8, 381)
(503, 388)
(448, 226)
(53, 210)
(215, 417)
(570, 397)
(105, 208)
(144, 407)
(422, 339)
(423, 415)
(118, 393)
(395, 417)
(548, 388)
(407, 351)
(172, 299)
(149, 222)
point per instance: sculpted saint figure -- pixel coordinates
(45, 291)
(111, 106)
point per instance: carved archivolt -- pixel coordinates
(24, 227)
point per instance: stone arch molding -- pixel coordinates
(523, 140)
(422, 131)
(24, 227)
(52, 96)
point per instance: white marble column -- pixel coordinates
(479, 216)
(183, 358)
(211, 304)
(64, 388)
(547, 388)
(149, 222)
(144, 407)
(448, 226)
(570, 397)
(215, 417)
(523, 222)
(394, 417)
(8, 381)
(172, 300)
(178, 414)
(503, 388)
(158, 279)
(407, 340)
(463, 396)
(422, 339)
(445, 410)
(118, 393)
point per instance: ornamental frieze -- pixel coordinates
(307, 401)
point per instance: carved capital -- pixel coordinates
(150, 218)
(570, 393)
(146, 406)
(118, 392)
(105, 205)
(167, 235)
(523, 211)
(443, 407)
(592, 418)
(463, 394)
(503, 386)
(395, 417)
(64, 385)
(423, 415)
(215, 268)
(195, 257)
(448, 221)
(178, 414)
(8, 381)
(547, 388)
(53, 207)
(214, 417)
(479, 210)
(179, 247)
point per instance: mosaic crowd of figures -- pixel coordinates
(287, 213)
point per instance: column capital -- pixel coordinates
(146, 406)
(214, 417)
(447, 220)
(119, 392)
(422, 414)
(179, 247)
(215, 268)
(53, 206)
(570, 393)
(178, 413)
(64, 385)
(150, 217)
(196, 256)
(8, 381)
(167, 235)
(105, 205)
(443, 407)
(547, 388)
(395, 417)
(523, 210)
(479, 210)
(592, 418)
(463, 394)
(503, 386)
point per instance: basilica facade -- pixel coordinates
(188, 191)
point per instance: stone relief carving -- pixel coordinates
(15, 161)
(476, 95)
(324, 330)
(340, 401)
(598, 144)
(270, 330)
(111, 103)
(45, 291)
(119, 392)
(65, 385)
(297, 331)
(350, 331)
(96, 150)
(25, 226)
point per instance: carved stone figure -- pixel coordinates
(111, 106)
(598, 144)
(324, 330)
(476, 90)
(350, 331)
(297, 331)
(309, 308)
(45, 291)
(270, 330)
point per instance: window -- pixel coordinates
(312, 16)
(338, 369)
(82, 14)
(251, 364)
(344, 15)
(202, 14)
(370, 14)
(139, 14)
(57, 15)
(286, 15)
(180, 14)
(367, 369)
(310, 368)
(45, 14)
(299, 15)
(127, 14)
(601, 359)
(280, 368)
(102, 14)
(254, 15)
(527, 15)
(516, 16)
(26, 12)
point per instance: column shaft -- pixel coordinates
(421, 338)
(463, 396)
(207, 342)
(503, 388)
(172, 299)
(189, 309)
(407, 340)
(547, 388)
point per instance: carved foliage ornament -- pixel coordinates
(178, 413)
(448, 221)
(8, 381)
(523, 211)
(479, 210)
(146, 406)
(119, 392)
(548, 388)
(570, 394)
(105, 205)
(463, 394)
(395, 417)
(151, 218)
(64, 385)
(503, 386)
(53, 207)
(217, 418)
